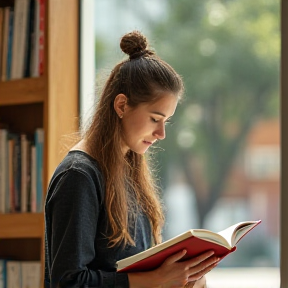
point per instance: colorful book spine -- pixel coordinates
(10, 43)
(22, 39)
(13, 274)
(21, 172)
(5, 38)
(3, 274)
(3, 171)
(41, 36)
(39, 142)
(29, 39)
(19, 38)
(33, 191)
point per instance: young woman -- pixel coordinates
(102, 203)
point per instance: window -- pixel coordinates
(225, 142)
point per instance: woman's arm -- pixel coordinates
(72, 209)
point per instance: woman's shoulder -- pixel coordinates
(79, 168)
(77, 161)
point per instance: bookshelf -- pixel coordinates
(50, 102)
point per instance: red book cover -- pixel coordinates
(194, 245)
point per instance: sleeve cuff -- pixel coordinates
(115, 280)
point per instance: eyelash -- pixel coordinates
(168, 122)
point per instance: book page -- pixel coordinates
(235, 232)
(211, 237)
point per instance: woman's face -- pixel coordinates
(145, 123)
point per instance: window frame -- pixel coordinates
(284, 143)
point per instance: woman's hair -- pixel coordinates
(128, 179)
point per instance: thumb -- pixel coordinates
(175, 257)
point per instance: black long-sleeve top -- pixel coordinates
(76, 249)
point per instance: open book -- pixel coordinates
(195, 241)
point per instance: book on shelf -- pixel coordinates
(3, 171)
(3, 273)
(37, 60)
(39, 142)
(22, 44)
(5, 36)
(19, 38)
(20, 274)
(25, 173)
(30, 274)
(33, 187)
(1, 37)
(21, 169)
(10, 42)
(194, 241)
(13, 269)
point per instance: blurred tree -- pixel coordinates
(228, 54)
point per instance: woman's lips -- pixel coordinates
(148, 142)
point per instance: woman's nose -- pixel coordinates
(160, 132)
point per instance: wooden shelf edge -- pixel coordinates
(22, 91)
(21, 225)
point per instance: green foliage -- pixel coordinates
(228, 55)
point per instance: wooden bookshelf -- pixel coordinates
(23, 91)
(49, 102)
(21, 225)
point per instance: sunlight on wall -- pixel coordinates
(243, 278)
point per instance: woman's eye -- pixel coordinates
(154, 120)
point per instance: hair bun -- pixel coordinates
(133, 42)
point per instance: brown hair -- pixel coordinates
(140, 78)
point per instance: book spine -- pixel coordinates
(3, 274)
(19, 38)
(23, 39)
(39, 137)
(35, 42)
(1, 37)
(33, 200)
(30, 274)
(2, 176)
(29, 39)
(10, 43)
(13, 274)
(11, 175)
(5, 43)
(24, 172)
(28, 182)
(16, 34)
(3, 170)
(7, 179)
(41, 36)
(17, 173)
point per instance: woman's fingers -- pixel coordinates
(198, 271)
(174, 270)
(175, 257)
(193, 261)
(202, 257)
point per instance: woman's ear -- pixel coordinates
(120, 103)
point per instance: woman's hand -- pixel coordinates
(201, 283)
(175, 274)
